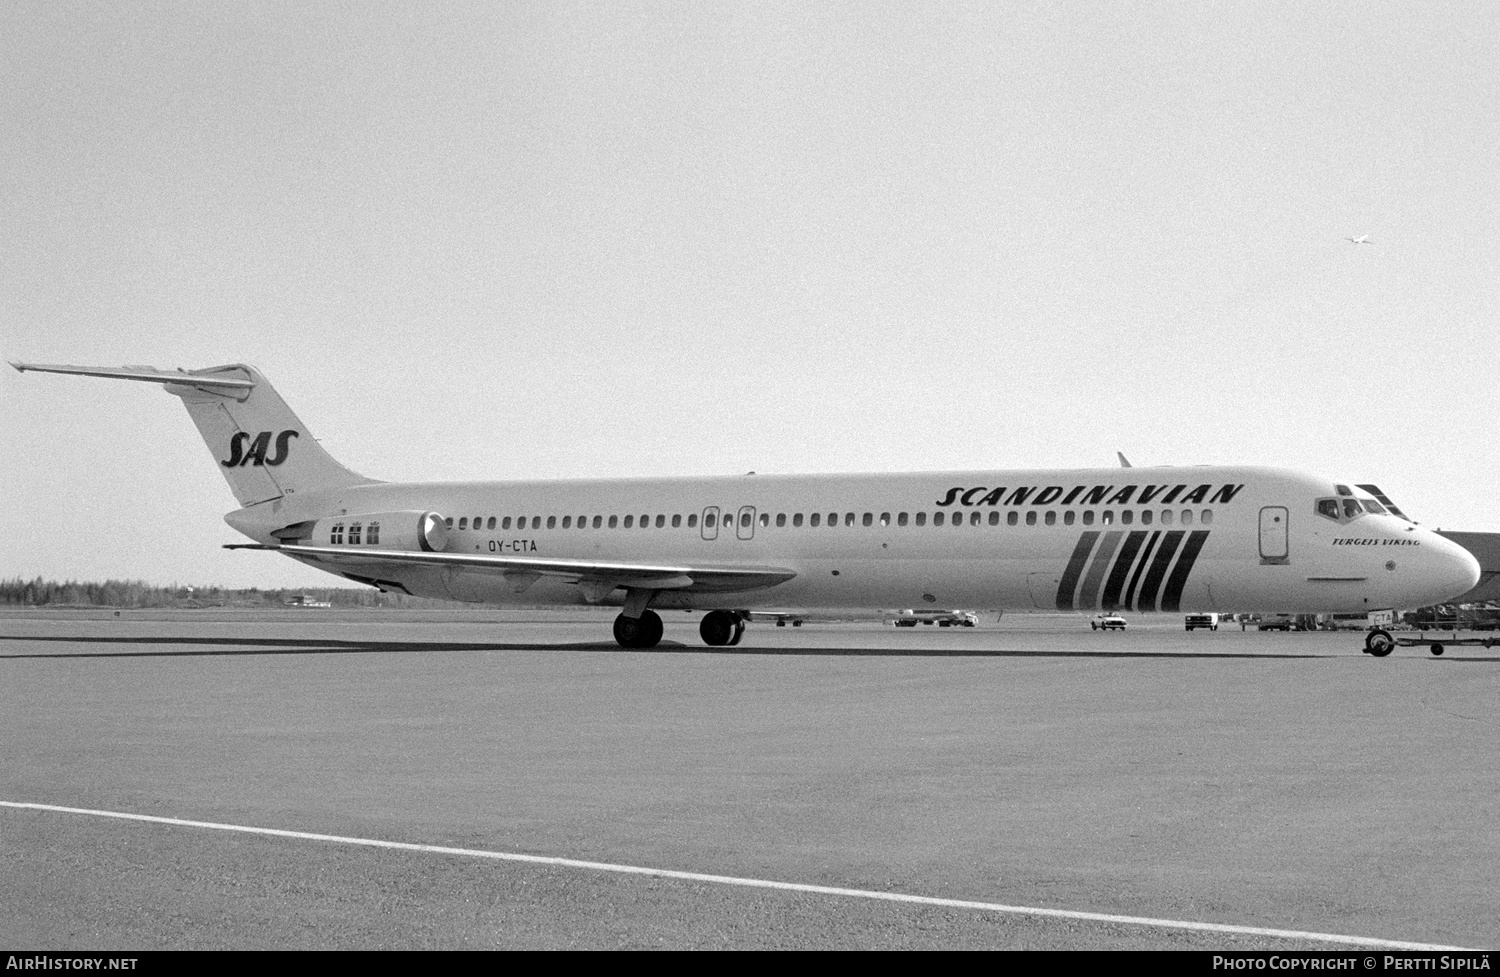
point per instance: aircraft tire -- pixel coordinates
(717, 628)
(739, 631)
(642, 632)
(1379, 643)
(1437, 648)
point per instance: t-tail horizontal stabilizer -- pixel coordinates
(263, 450)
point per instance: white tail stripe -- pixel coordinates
(1361, 941)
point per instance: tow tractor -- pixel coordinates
(1379, 642)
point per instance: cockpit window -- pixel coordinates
(1343, 490)
(1372, 506)
(1352, 509)
(1328, 508)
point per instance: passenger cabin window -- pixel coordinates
(677, 521)
(1127, 517)
(505, 523)
(629, 521)
(1146, 517)
(462, 523)
(448, 522)
(1207, 517)
(597, 521)
(900, 518)
(885, 518)
(693, 520)
(1166, 517)
(1068, 517)
(921, 519)
(868, 520)
(1107, 517)
(1088, 517)
(567, 522)
(1187, 517)
(1031, 518)
(614, 521)
(994, 518)
(937, 518)
(1012, 518)
(797, 519)
(780, 519)
(765, 519)
(814, 519)
(1051, 518)
(551, 522)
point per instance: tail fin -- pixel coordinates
(263, 450)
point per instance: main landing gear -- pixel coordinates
(638, 632)
(721, 628)
(718, 628)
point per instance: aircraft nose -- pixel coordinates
(1456, 571)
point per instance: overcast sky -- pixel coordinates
(489, 240)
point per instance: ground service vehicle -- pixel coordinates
(1195, 621)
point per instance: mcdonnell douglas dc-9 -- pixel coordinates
(1203, 538)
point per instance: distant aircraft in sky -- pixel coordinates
(1362, 239)
(1174, 539)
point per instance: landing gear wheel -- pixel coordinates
(739, 631)
(638, 632)
(719, 628)
(1379, 643)
(1436, 649)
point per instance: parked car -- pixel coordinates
(1107, 622)
(1193, 621)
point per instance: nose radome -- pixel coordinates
(1458, 568)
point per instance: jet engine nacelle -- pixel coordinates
(410, 530)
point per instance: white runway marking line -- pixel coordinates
(826, 890)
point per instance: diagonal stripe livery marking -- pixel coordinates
(1140, 568)
(1088, 599)
(1069, 582)
(1171, 599)
(1123, 563)
(1158, 572)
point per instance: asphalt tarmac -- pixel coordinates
(1264, 782)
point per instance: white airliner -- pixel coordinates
(1362, 239)
(1206, 538)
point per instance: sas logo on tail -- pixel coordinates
(239, 455)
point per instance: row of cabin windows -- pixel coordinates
(1050, 517)
(370, 533)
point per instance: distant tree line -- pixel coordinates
(16, 592)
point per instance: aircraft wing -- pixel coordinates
(596, 576)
